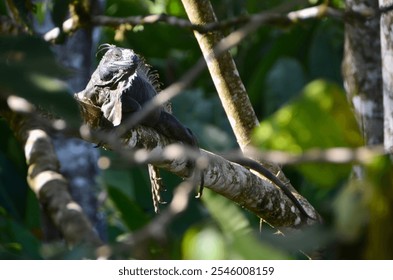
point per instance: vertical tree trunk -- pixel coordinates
(362, 71)
(380, 233)
(78, 159)
(368, 81)
(80, 171)
(387, 74)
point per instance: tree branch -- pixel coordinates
(336, 155)
(46, 181)
(223, 71)
(259, 19)
(233, 181)
(267, 18)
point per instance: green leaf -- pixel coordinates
(130, 212)
(28, 69)
(326, 49)
(121, 180)
(319, 118)
(16, 242)
(204, 243)
(272, 46)
(175, 8)
(285, 79)
(13, 185)
(241, 242)
(350, 208)
(340, 4)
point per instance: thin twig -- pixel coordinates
(263, 18)
(335, 155)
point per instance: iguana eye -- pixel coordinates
(116, 53)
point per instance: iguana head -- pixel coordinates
(117, 63)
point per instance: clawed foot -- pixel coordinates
(201, 186)
(200, 191)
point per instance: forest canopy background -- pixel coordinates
(293, 77)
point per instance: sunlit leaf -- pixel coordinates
(379, 196)
(319, 118)
(237, 231)
(338, 3)
(204, 243)
(175, 8)
(350, 208)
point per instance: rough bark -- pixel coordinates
(380, 232)
(362, 70)
(367, 71)
(387, 74)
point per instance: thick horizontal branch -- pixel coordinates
(235, 182)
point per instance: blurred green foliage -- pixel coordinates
(318, 118)
(293, 78)
(28, 69)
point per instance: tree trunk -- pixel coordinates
(387, 74)
(79, 171)
(367, 69)
(362, 71)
